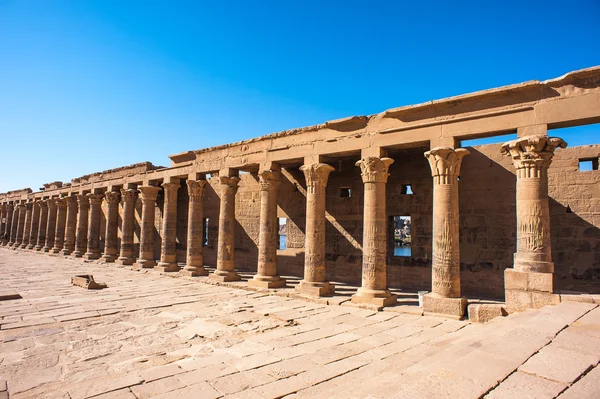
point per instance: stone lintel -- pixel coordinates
(315, 289)
(436, 305)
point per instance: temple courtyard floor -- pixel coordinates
(156, 336)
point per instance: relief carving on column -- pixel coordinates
(374, 169)
(196, 190)
(229, 185)
(316, 176)
(269, 179)
(445, 163)
(112, 197)
(532, 155)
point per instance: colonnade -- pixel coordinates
(71, 226)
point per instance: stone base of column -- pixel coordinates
(315, 289)
(109, 258)
(374, 297)
(125, 261)
(225, 276)
(144, 264)
(194, 271)
(66, 252)
(526, 290)
(266, 282)
(38, 248)
(92, 255)
(167, 267)
(47, 249)
(77, 254)
(23, 246)
(55, 250)
(435, 305)
(30, 246)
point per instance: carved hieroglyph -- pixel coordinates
(445, 163)
(266, 275)
(374, 172)
(531, 157)
(128, 198)
(148, 195)
(112, 199)
(93, 233)
(82, 225)
(168, 248)
(314, 281)
(61, 221)
(50, 225)
(226, 241)
(194, 265)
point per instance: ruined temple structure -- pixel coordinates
(518, 221)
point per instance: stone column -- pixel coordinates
(373, 289)
(445, 297)
(530, 283)
(226, 241)
(266, 275)
(50, 225)
(42, 225)
(9, 219)
(314, 282)
(35, 222)
(128, 198)
(61, 221)
(93, 233)
(3, 218)
(111, 251)
(71, 226)
(19, 226)
(27, 225)
(194, 265)
(82, 225)
(148, 196)
(168, 248)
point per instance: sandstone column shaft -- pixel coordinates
(24, 238)
(61, 220)
(112, 199)
(168, 250)
(9, 220)
(266, 276)
(82, 225)
(148, 195)
(70, 226)
(314, 282)
(93, 233)
(128, 198)
(14, 225)
(3, 217)
(50, 225)
(374, 265)
(42, 225)
(194, 265)
(226, 241)
(35, 223)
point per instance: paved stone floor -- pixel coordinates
(150, 335)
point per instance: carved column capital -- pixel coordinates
(61, 203)
(269, 179)
(445, 163)
(316, 176)
(83, 201)
(196, 190)
(128, 195)
(532, 155)
(229, 185)
(95, 199)
(112, 197)
(50, 203)
(374, 169)
(28, 205)
(41, 204)
(149, 193)
(170, 190)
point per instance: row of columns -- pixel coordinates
(56, 226)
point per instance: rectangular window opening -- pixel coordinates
(402, 235)
(345, 192)
(588, 164)
(407, 189)
(282, 233)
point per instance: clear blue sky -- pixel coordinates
(92, 85)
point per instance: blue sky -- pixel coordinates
(92, 85)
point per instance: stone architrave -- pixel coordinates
(14, 226)
(50, 225)
(82, 225)
(445, 297)
(111, 251)
(24, 237)
(61, 220)
(168, 248)
(314, 282)
(194, 265)
(35, 223)
(266, 276)
(530, 283)
(128, 198)
(42, 224)
(148, 195)
(70, 226)
(226, 241)
(373, 289)
(93, 233)
(7, 228)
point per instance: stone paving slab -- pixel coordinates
(161, 336)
